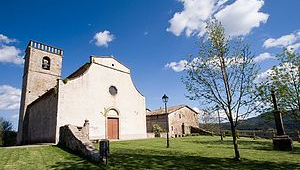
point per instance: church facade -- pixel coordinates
(101, 91)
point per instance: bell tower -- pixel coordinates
(42, 68)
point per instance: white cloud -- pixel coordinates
(193, 17)
(9, 97)
(263, 57)
(10, 54)
(213, 63)
(196, 109)
(283, 41)
(177, 66)
(238, 18)
(212, 117)
(103, 38)
(285, 68)
(294, 47)
(5, 40)
(242, 16)
(262, 77)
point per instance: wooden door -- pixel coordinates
(113, 128)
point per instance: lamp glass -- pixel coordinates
(165, 98)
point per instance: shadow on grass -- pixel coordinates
(255, 144)
(140, 161)
(132, 159)
(74, 161)
(266, 145)
(296, 150)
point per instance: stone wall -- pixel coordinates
(183, 118)
(156, 119)
(41, 118)
(75, 139)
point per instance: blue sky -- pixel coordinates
(150, 37)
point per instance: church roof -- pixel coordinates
(111, 62)
(43, 96)
(86, 66)
(80, 71)
(172, 109)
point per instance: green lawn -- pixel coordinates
(201, 152)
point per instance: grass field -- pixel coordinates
(201, 152)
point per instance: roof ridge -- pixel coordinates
(169, 109)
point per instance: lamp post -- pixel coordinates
(219, 122)
(165, 100)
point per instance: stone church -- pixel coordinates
(100, 91)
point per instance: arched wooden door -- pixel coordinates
(113, 128)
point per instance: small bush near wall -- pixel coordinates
(9, 138)
(157, 129)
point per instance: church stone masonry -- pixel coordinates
(100, 91)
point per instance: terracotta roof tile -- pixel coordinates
(169, 110)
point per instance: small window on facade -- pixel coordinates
(172, 128)
(46, 63)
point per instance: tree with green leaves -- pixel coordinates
(222, 76)
(284, 78)
(1, 132)
(7, 135)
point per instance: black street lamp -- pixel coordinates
(165, 100)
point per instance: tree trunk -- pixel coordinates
(236, 150)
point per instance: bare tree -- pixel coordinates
(222, 75)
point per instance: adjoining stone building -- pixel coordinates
(100, 91)
(181, 119)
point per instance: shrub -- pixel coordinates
(157, 129)
(7, 135)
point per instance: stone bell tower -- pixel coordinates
(42, 68)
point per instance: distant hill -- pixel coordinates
(263, 126)
(266, 122)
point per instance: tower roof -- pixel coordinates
(44, 47)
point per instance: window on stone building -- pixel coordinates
(46, 63)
